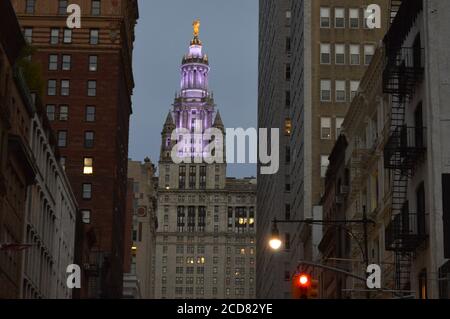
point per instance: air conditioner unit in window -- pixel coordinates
(339, 199)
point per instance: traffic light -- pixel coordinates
(304, 287)
(300, 286)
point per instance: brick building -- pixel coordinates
(89, 81)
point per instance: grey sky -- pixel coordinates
(229, 31)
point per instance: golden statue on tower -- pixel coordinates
(196, 26)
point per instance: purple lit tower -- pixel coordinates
(202, 215)
(193, 108)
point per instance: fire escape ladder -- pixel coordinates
(403, 261)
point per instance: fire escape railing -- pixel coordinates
(405, 146)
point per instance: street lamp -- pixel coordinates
(275, 241)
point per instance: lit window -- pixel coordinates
(54, 36)
(324, 17)
(51, 87)
(325, 128)
(92, 88)
(63, 113)
(287, 127)
(88, 168)
(339, 18)
(325, 53)
(369, 51)
(93, 36)
(324, 162)
(87, 191)
(86, 216)
(66, 62)
(288, 14)
(340, 91)
(93, 60)
(354, 18)
(53, 62)
(65, 87)
(340, 53)
(51, 112)
(67, 36)
(325, 90)
(354, 85)
(339, 121)
(354, 54)
(95, 7)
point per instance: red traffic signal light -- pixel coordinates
(304, 287)
(304, 280)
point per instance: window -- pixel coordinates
(421, 209)
(324, 17)
(339, 121)
(88, 168)
(181, 220)
(287, 154)
(92, 88)
(287, 211)
(89, 139)
(340, 54)
(339, 18)
(66, 62)
(95, 7)
(354, 18)
(51, 112)
(325, 128)
(202, 177)
(93, 61)
(287, 99)
(325, 90)
(288, 45)
(93, 36)
(30, 6)
(287, 127)
(369, 51)
(354, 54)
(54, 36)
(90, 114)
(65, 87)
(192, 176)
(354, 85)
(87, 191)
(325, 53)
(62, 138)
(86, 216)
(53, 62)
(63, 113)
(288, 72)
(67, 36)
(340, 91)
(324, 162)
(288, 14)
(182, 177)
(28, 35)
(51, 87)
(62, 7)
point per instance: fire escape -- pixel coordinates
(405, 147)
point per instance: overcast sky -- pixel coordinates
(229, 32)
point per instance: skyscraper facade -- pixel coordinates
(88, 83)
(205, 243)
(332, 44)
(274, 102)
